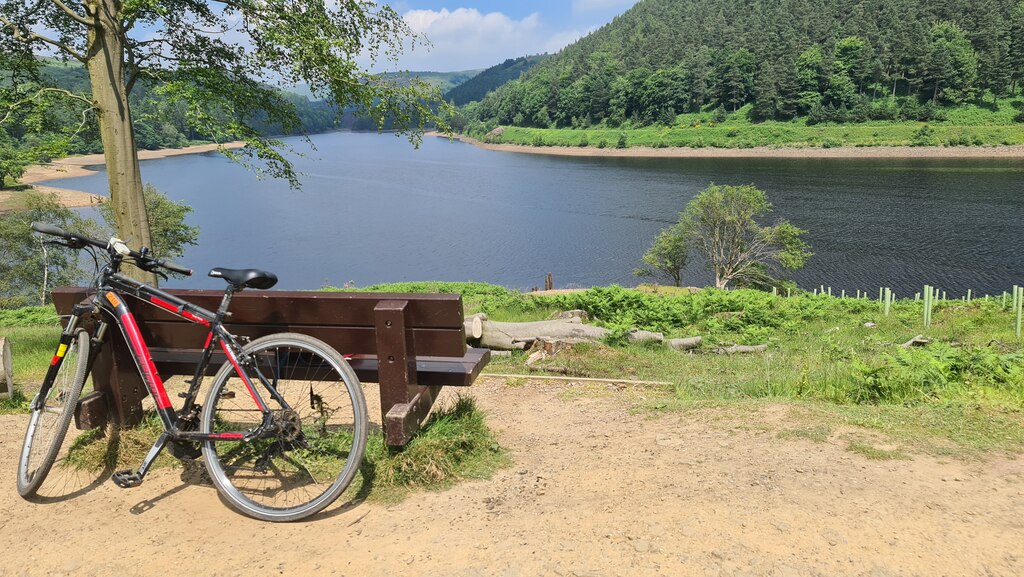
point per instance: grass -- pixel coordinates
(454, 444)
(969, 125)
(875, 453)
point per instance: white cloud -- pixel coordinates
(465, 38)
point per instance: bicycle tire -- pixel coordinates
(312, 457)
(48, 423)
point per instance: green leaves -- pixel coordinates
(722, 224)
(668, 255)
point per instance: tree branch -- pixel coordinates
(73, 15)
(27, 36)
(14, 106)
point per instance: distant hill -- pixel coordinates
(445, 81)
(476, 88)
(824, 60)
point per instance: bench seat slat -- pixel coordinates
(430, 371)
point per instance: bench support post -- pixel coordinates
(401, 400)
(116, 378)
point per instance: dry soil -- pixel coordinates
(597, 489)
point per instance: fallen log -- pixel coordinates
(918, 341)
(741, 349)
(474, 326)
(687, 344)
(519, 336)
(638, 336)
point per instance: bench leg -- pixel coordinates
(403, 420)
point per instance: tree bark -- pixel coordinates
(509, 336)
(105, 61)
(686, 344)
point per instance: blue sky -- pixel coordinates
(466, 35)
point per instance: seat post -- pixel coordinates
(222, 311)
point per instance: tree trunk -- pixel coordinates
(105, 59)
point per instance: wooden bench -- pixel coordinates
(411, 344)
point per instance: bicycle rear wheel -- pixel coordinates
(315, 446)
(53, 408)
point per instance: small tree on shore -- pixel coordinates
(721, 224)
(28, 268)
(668, 256)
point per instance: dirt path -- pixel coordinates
(595, 491)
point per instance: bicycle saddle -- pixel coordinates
(246, 277)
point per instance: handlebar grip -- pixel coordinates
(176, 268)
(49, 229)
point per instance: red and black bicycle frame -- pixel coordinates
(110, 299)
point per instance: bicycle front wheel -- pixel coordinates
(315, 445)
(52, 410)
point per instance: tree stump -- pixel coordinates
(6, 369)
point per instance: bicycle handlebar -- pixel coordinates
(143, 261)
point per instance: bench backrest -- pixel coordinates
(346, 321)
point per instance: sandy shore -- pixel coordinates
(75, 166)
(79, 165)
(760, 151)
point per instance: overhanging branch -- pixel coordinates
(27, 37)
(73, 15)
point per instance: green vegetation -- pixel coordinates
(28, 268)
(721, 224)
(971, 125)
(475, 88)
(171, 234)
(455, 444)
(963, 393)
(668, 65)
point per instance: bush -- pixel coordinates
(29, 317)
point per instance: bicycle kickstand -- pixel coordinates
(128, 478)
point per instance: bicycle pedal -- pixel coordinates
(126, 479)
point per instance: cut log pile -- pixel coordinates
(565, 329)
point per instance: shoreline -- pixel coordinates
(75, 166)
(1000, 151)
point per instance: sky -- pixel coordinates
(471, 35)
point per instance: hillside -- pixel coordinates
(477, 87)
(842, 61)
(444, 81)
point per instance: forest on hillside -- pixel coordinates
(477, 87)
(826, 60)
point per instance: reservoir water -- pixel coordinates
(373, 209)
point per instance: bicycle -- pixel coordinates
(282, 429)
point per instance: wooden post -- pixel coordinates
(1019, 312)
(116, 378)
(549, 282)
(6, 370)
(404, 405)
